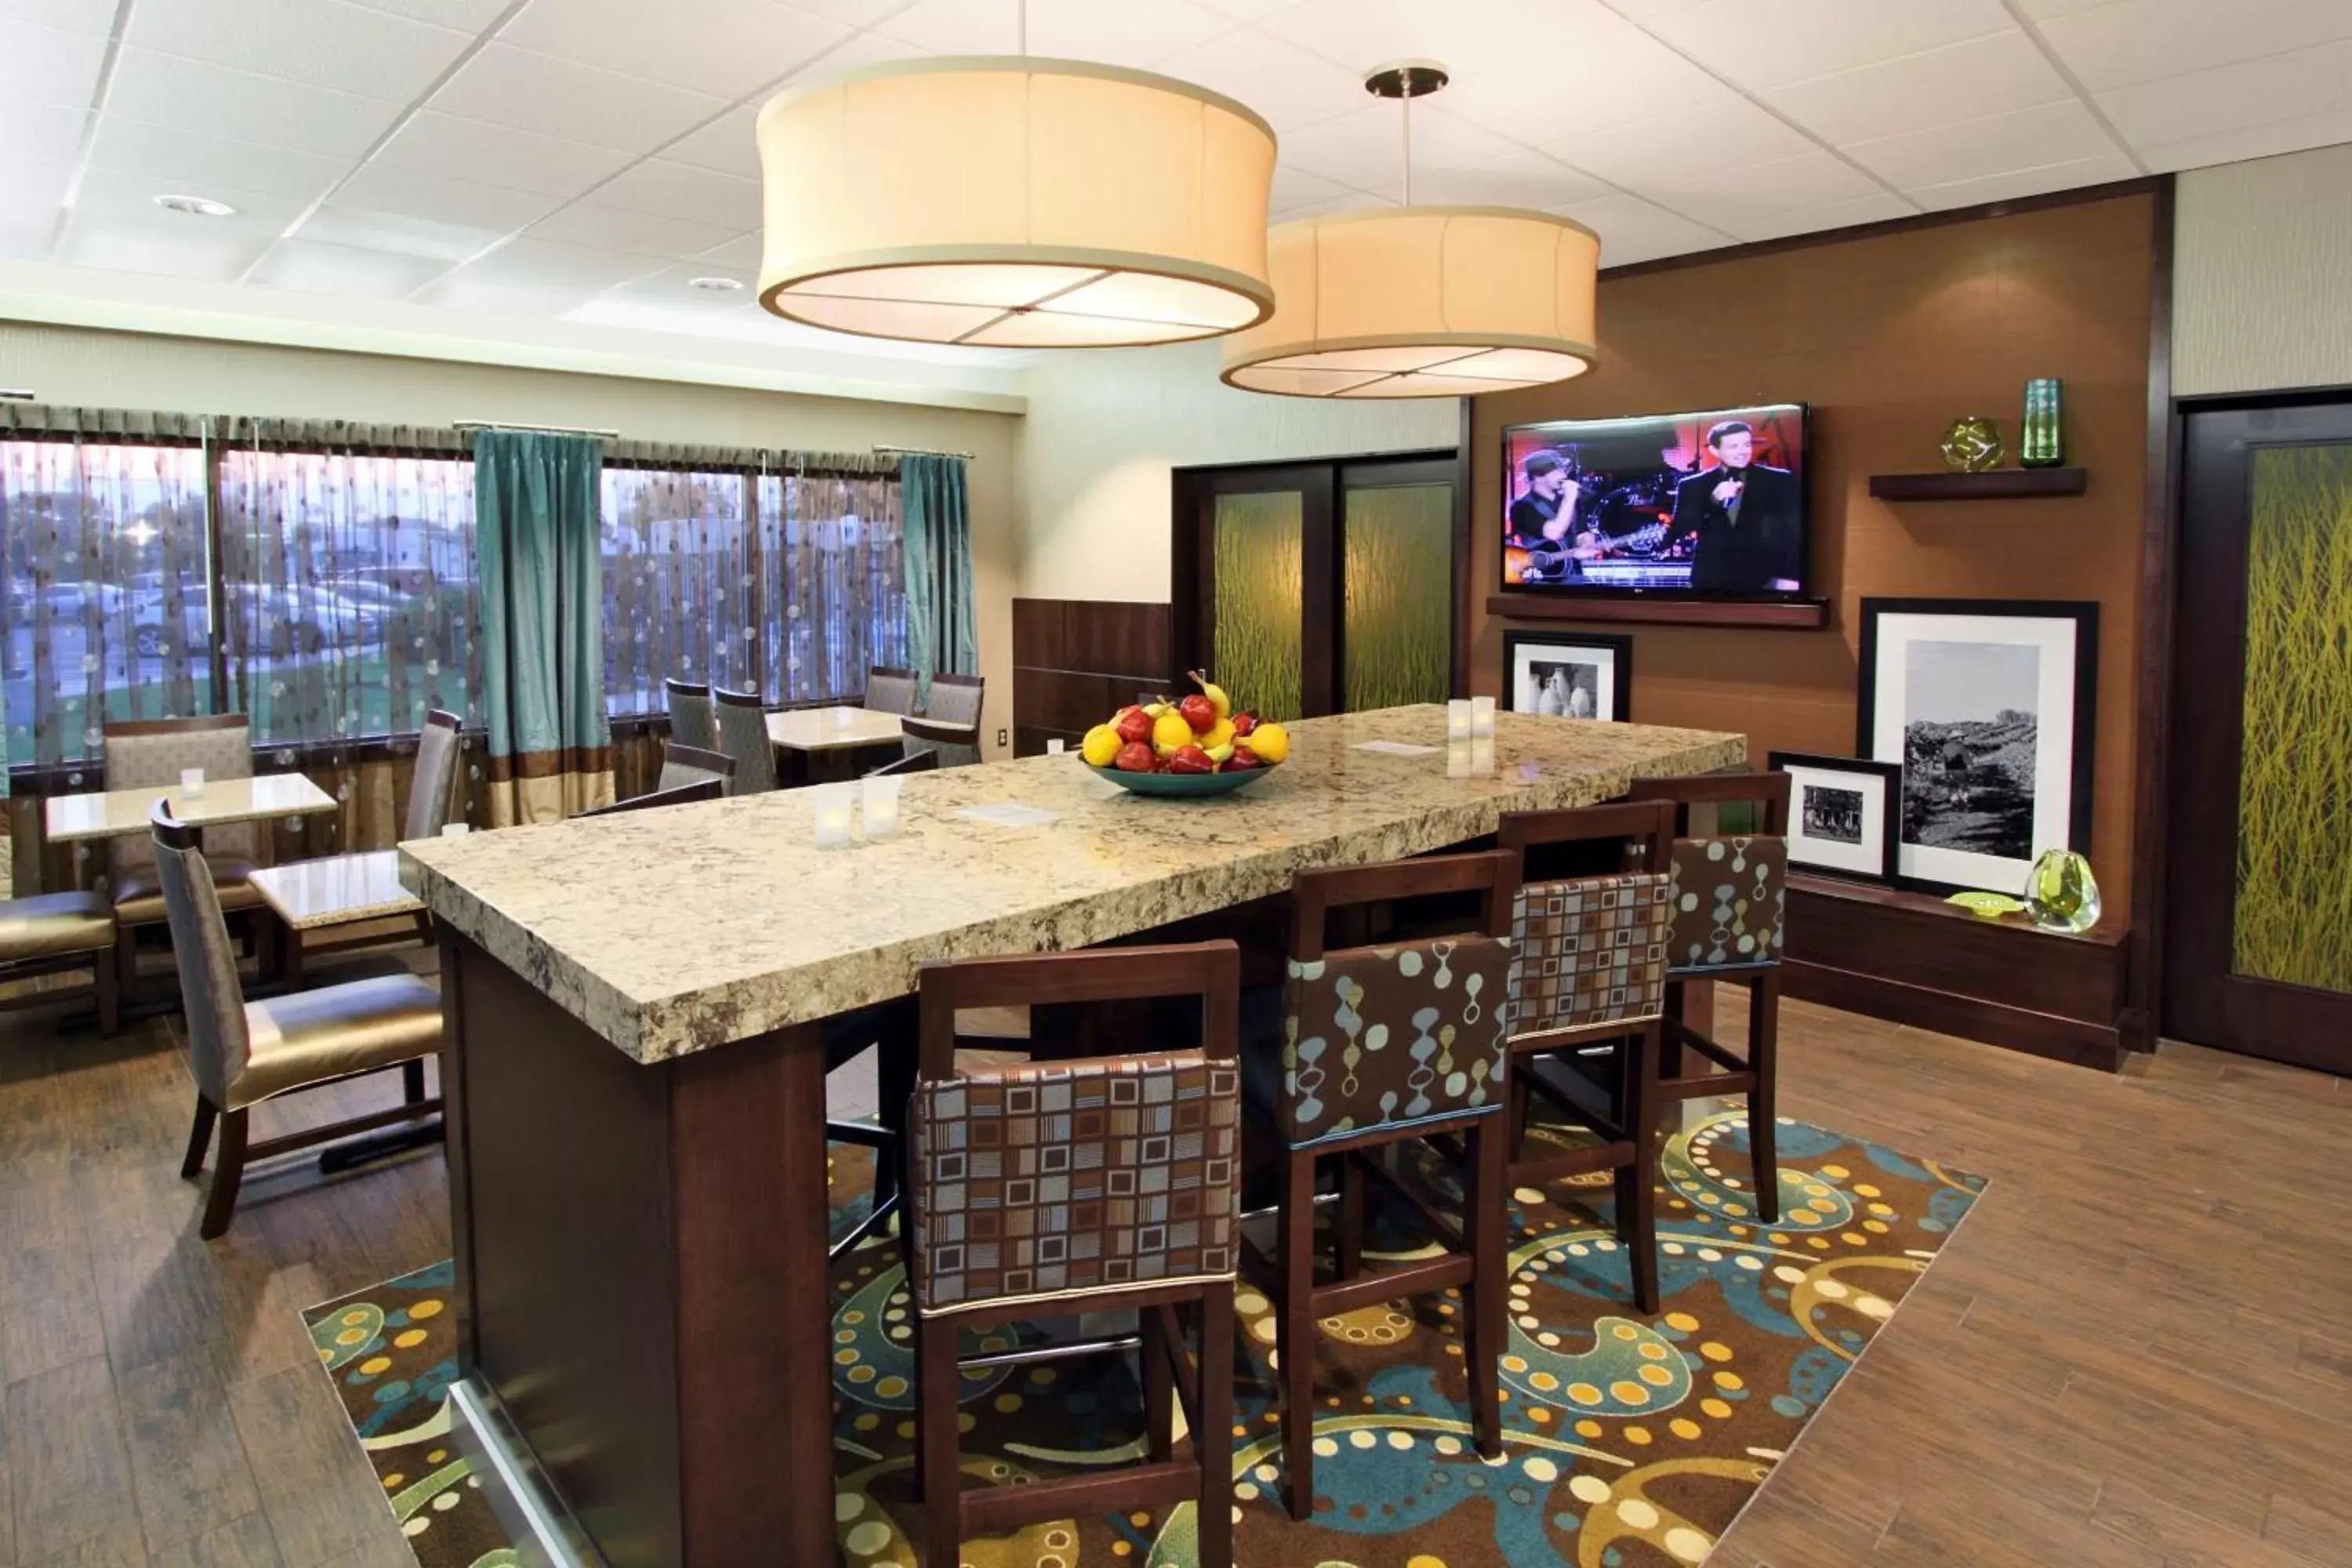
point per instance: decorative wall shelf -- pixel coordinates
(1799, 615)
(1999, 484)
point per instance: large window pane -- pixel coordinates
(834, 566)
(105, 596)
(678, 585)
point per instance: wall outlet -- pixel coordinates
(1003, 737)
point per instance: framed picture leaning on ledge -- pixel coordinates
(1844, 814)
(1568, 675)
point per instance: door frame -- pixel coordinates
(1191, 576)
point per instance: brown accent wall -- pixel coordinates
(1889, 338)
(1077, 661)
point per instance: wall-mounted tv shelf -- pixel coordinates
(1799, 615)
(1999, 484)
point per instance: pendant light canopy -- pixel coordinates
(1015, 203)
(1421, 301)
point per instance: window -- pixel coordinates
(836, 563)
(679, 588)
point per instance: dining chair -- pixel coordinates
(950, 745)
(1588, 972)
(912, 763)
(956, 699)
(241, 1053)
(155, 752)
(655, 799)
(1381, 1049)
(890, 690)
(742, 722)
(1049, 1190)
(433, 786)
(690, 724)
(682, 764)
(1729, 894)
(47, 932)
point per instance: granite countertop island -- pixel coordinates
(670, 932)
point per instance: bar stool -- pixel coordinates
(1052, 1189)
(1382, 1046)
(1729, 894)
(1589, 968)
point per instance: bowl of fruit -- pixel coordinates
(1194, 746)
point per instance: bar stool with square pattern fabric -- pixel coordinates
(1589, 968)
(1053, 1189)
(1729, 894)
(1382, 1046)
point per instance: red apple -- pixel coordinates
(1135, 757)
(1198, 712)
(1133, 726)
(1244, 724)
(1242, 757)
(1191, 759)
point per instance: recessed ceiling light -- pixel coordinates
(195, 207)
(716, 285)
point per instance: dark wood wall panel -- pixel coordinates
(1075, 662)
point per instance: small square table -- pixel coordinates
(332, 890)
(834, 735)
(114, 813)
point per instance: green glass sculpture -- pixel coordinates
(2062, 893)
(1987, 906)
(2040, 442)
(1972, 444)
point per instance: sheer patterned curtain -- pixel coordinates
(680, 589)
(833, 558)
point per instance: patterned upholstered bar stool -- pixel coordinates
(690, 724)
(1589, 969)
(890, 690)
(742, 722)
(1382, 1046)
(143, 752)
(682, 764)
(1046, 1190)
(1729, 895)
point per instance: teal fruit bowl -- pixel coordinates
(1181, 787)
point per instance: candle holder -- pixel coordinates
(192, 781)
(1482, 718)
(830, 804)
(880, 805)
(456, 829)
(1458, 719)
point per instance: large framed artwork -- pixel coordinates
(1844, 814)
(1987, 706)
(1568, 675)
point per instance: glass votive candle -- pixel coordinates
(191, 781)
(881, 806)
(831, 804)
(1055, 747)
(1458, 719)
(456, 829)
(842, 717)
(1457, 758)
(1482, 718)
(1481, 754)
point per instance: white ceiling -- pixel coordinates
(580, 160)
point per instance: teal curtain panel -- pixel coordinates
(942, 633)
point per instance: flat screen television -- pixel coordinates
(1703, 505)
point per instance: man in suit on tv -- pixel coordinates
(1741, 517)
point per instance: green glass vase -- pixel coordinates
(2060, 893)
(2041, 443)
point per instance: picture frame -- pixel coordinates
(1989, 706)
(1845, 814)
(1562, 672)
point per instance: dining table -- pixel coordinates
(114, 813)
(818, 742)
(329, 892)
(636, 1082)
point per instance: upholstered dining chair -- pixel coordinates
(684, 764)
(241, 1053)
(948, 745)
(1589, 970)
(742, 722)
(144, 751)
(690, 724)
(655, 799)
(1379, 1048)
(956, 699)
(890, 690)
(47, 932)
(912, 763)
(1729, 894)
(1048, 1190)
(433, 787)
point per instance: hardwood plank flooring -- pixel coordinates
(2137, 1353)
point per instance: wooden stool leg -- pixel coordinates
(126, 958)
(228, 1169)
(107, 981)
(412, 1081)
(1637, 1184)
(1214, 1442)
(1521, 1097)
(1295, 1335)
(936, 1382)
(1486, 1221)
(1763, 1106)
(1157, 1354)
(1348, 1229)
(200, 1138)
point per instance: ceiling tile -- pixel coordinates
(364, 230)
(2028, 139)
(532, 92)
(115, 224)
(1830, 215)
(1751, 195)
(93, 17)
(2142, 40)
(1248, 12)
(856, 13)
(1632, 229)
(2325, 130)
(532, 277)
(1290, 88)
(641, 234)
(42, 131)
(438, 198)
(31, 191)
(1136, 33)
(740, 254)
(46, 65)
(672, 289)
(2012, 183)
(1721, 135)
(190, 94)
(1991, 74)
(1468, 36)
(1770, 43)
(1618, 77)
(1295, 188)
(1453, 161)
(498, 156)
(322, 43)
(177, 159)
(726, 145)
(465, 15)
(726, 47)
(681, 191)
(2044, 10)
(307, 267)
(1343, 200)
(2234, 97)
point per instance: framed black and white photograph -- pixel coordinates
(1987, 706)
(1843, 814)
(1568, 675)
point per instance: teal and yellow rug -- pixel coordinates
(1630, 1442)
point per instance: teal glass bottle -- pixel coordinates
(2040, 445)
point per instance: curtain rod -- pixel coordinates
(880, 450)
(17, 393)
(539, 429)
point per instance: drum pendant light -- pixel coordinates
(1015, 203)
(1421, 301)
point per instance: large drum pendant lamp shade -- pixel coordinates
(1015, 203)
(1426, 301)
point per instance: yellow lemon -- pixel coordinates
(1101, 746)
(1270, 742)
(1221, 733)
(1169, 732)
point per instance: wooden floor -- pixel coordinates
(2136, 1352)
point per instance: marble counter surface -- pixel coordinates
(672, 931)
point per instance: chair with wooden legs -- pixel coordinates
(1589, 970)
(242, 1053)
(1048, 1190)
(655, 799)
(1731, 895)
(690, 721)
(682, 764)
(1383, 1046)
(742, 721)
(52, 932)
(155, 752)
(890, 690)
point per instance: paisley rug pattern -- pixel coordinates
(1629, 1442)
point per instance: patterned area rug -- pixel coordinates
(1628, 1443)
